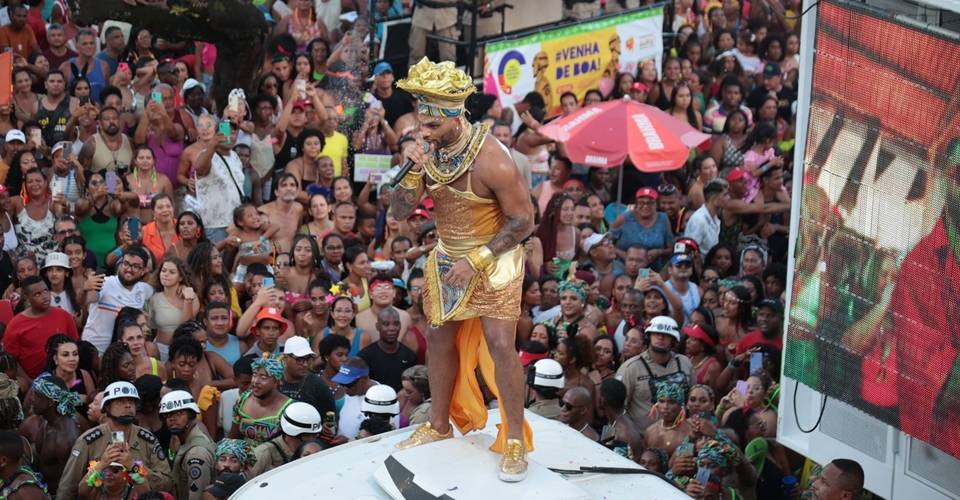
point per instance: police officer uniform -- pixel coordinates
(91, 445)
(546, 408)
(193, 463)
(641, 373)
(298, 418)
(546, 374)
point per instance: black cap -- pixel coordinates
(773, 304)
(225, 484)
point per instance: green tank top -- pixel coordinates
(98, 229)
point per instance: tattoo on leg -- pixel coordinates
(510, 235)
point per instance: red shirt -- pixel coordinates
(925, 309)
(26, 337)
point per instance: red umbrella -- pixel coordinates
(602, 135)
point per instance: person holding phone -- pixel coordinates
(116, 441)
(97, 213)
(145, 181)
(219, 176)
(164, 129)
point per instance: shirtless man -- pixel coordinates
(575, 411)
(53, 427)
(284, 212)
(621, 435)
(382, 294)
(670, 430)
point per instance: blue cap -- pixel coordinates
(397, 282)
(349, 374)
(680, 258)
(381, 68)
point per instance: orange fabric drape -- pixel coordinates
(467, 409)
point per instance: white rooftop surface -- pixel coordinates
(461, 469)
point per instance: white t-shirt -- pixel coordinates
(218, 191)
(704, 229)
(103, 313)
(690, 300)
(548, 315)
(351, 417)
(228, 398)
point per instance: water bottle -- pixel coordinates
(790, 487)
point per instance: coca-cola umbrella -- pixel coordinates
(603, 135)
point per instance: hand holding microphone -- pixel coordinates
(414, 153)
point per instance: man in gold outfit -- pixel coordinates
(474, 275)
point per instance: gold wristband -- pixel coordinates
(411, 180)
(480, 258)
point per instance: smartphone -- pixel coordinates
(84, 101)
(133, 226)
(644, 272)
(234, 103)
(111, 179)
(268, 282)
(156, 97)
(756, 362)
(58, 186)
(685, 449)
(36, 136)
(302, 88)
(225, 129)
(117, 437)
(123, 67)
(742, 387)
(703, 475)
(330, 422)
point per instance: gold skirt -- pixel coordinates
(494, 293)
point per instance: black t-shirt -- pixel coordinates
(388, 368)
(398, 104)
(311, 391)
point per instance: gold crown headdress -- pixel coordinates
(440, 88)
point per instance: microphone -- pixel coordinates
(407, 165)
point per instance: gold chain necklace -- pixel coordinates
(447, 164)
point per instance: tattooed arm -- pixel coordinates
(501, 176)
(403, 201)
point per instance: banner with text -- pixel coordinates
(573, 58)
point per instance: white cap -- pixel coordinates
(189, 85)
(178, 400)
(300, 418)
(380, 399)
(665, 325)
(298, 347)
(591, 241)
(57, 259)
(118, 390)
(548, 373)
(15, 135)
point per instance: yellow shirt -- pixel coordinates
(336, 147)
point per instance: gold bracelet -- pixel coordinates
(480, 258)
(411, 180)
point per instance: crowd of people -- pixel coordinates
(195, 293)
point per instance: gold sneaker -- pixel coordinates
(513, 465)
(423, 435)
